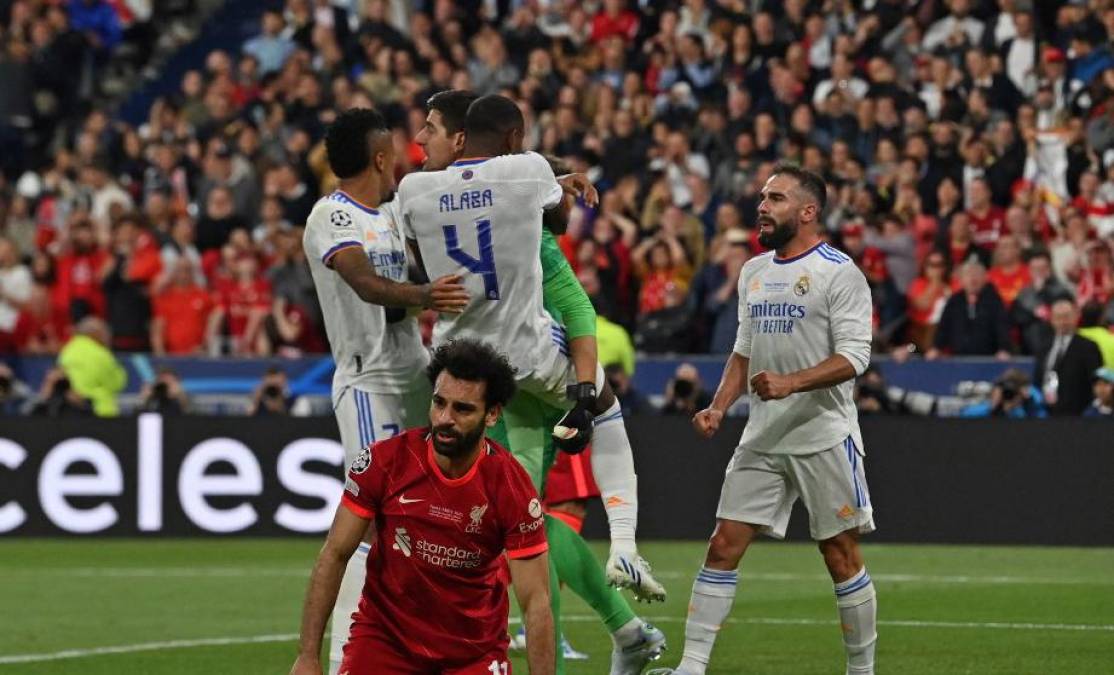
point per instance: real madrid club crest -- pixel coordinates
(362, 461)
(801, 287)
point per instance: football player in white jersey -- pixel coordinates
(358, 261)
(804, 334)
(483, 215)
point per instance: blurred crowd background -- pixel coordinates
(968, 147)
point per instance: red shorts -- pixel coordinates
(369, 652)
(571, 479)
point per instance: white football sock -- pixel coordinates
(348, 598)
(713, 593)
(613, 468)
(857, 616)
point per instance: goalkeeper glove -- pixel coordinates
(573, 433)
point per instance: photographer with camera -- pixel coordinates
(1013, 396)
(164, 395)
(685, 395)
(13, 392)
(272, 396)
(57, 398)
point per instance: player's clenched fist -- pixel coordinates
(707, 421)
(769, 386)
(447, 294)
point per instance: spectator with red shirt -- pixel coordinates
(614, 19)
(1009, 274)
(181, 322)
(960, 242)
(243, 303)
(987, 220)
(926, 298)
(1096, 282)
(79, 272)
(661, 265)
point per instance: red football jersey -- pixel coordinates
(433, 582)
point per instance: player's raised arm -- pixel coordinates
(531, 586)
(445, 294)
(345, 534)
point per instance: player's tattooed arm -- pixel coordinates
(445, 294)
(531, 585)
(732, 385)
(345, 534)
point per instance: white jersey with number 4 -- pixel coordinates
(793, 314)
(482, 218)
(376, 349)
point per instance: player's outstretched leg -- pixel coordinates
(855, 600)
(635, 642)
(613, 469)
(351, 584)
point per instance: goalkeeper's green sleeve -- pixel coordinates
(562, 294)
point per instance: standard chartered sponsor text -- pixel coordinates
(452, 557)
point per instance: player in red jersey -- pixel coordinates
(447, 504)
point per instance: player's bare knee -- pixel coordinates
(727, 546)
(841, 556)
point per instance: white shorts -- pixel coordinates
(365, 417)
(554, 371)
(760, 489)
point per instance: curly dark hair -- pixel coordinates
(476, 362)
(347, 140)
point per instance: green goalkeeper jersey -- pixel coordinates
(562, 295)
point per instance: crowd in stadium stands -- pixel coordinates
(968, 146)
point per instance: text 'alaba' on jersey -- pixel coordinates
(482, 218)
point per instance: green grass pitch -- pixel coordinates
(232, 606)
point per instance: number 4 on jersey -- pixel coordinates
(484, 265)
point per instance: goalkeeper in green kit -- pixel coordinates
(531, 422)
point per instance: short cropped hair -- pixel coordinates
(493, 115)
(453, 105)
(810, 182)
(346, 140)
(475, 362)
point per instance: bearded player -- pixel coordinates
(447, 504)
(358, 262)
(804, 334)
(484, 216)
